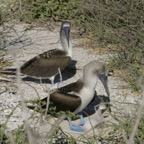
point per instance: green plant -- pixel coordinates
(3, 138)
(43, 10)
(20, 135)
(139, 138)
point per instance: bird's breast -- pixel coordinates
(86, 96)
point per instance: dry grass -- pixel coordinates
(89, 43)
(4, 63)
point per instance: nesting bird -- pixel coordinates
(52, 62)
(76, 96)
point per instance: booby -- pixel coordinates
(52, 62)
(76, 96)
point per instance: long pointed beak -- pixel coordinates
(104, 80)
(67, 33)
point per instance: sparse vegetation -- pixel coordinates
(20, 135)
(118, 25)
(3, 138)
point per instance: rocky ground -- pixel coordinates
(24, 43)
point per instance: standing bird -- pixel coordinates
(76, 96)
(52, 62)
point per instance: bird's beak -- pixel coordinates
(67, 33)
(104, 80)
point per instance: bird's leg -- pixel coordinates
(74, 127)
(60, 75)
(60, 84)
(54, 86)
(82, 121)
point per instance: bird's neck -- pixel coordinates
(66, 46)
(90, 80)
(69, 49)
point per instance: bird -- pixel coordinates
(76, 96)
(52, 62)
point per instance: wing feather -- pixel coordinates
(64, 102)
(46, 64)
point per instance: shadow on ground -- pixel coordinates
(98, 99)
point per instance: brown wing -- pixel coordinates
(64, 100)
(72, 87)
(46, 64)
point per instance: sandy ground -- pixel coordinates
(25, 43)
